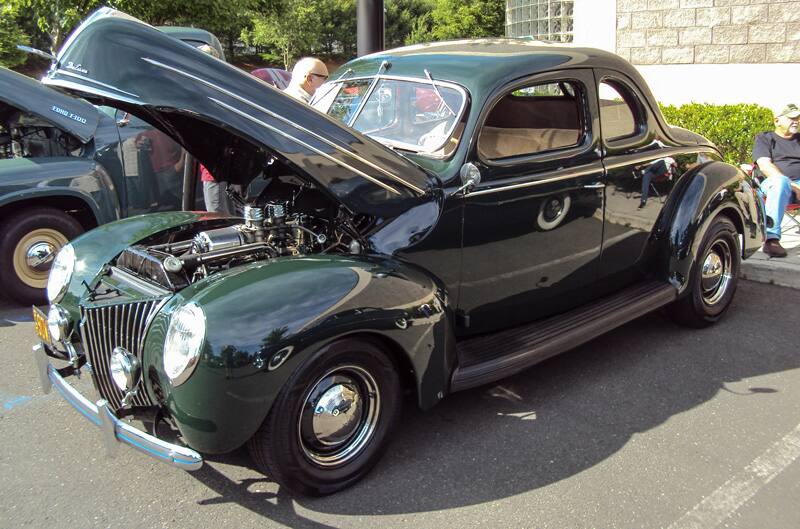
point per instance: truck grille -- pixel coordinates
(110, 326)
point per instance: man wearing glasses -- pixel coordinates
(777, 154)
(307, 75)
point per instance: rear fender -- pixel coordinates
(710, 190)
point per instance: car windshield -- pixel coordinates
(409, 114)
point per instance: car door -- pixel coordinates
(642, 168)
(533, 227)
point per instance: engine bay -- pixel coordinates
(290, 217)
(23, 135)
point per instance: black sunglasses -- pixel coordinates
(318, 75)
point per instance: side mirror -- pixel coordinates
(470, 177)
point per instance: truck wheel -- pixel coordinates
(28, 246)
(330, 422)
(715, 274)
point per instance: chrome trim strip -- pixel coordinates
(653, 155)
(144, 287)
(533, 183)
(288, 122)
(83, 88)
(118, 431)
(307, 146)
(90, 80)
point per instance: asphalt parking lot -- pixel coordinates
(652, 425)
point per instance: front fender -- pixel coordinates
(265, 319)
(709, 190)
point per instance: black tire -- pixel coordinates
(290, 445)
(22, 231)
(714, 277)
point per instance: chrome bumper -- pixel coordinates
(114, 430)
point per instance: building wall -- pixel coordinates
(713, 51)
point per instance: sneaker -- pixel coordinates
(773, 248)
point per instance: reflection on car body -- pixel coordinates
(374, 260)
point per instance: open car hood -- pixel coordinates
(72, 115)
(229, 120)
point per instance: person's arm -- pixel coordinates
(767, 167)
(762, 155)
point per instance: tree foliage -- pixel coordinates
(457, 19)
(286, 28)
(10, 36)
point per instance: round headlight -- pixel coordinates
(185, 334)
(57, 323)
(124, 369)
(60, 273)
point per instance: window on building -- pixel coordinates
(618, 111)
(550, 20)
(533, 119)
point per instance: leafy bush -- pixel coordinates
(10, 36)
(731, 127)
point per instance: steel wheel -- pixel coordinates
(716, 272)
(27, 248)
(339, 416)
(34, 254)
(714, 276)
(331, 420)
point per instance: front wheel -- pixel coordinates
(330, 422)
(29, 244)
(714, 278)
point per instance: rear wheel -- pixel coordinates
(27, 249)
(329, 423)
(714, 277)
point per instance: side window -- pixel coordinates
(618, 111)
(533, 119)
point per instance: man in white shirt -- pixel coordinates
(307, 75)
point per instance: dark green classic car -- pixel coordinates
(447, 215)
(67, 166)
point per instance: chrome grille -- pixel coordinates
(120, 325)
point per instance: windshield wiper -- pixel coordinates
(433, 83)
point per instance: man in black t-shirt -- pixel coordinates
(777, 154)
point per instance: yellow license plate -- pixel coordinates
(40, 321)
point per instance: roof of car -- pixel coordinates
(480, 64)
(194, 35)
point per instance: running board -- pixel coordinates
(491, 357)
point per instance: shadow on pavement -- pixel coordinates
(550, 422)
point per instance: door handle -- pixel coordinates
(598, 185)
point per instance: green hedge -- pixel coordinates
(731, 127)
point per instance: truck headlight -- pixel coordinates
(60, 273)
(185, 335)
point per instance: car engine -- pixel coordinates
(303, 222)
(23, 135)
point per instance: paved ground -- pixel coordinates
(649, 426)
(784, 271)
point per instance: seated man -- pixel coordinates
(777, 154)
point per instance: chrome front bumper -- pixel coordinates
(114, 430)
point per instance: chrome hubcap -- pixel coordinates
(40, 255)
(339, 416)
(34, 254)
(716, 272)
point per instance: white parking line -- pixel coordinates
(727, 499)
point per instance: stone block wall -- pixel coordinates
(708, 31)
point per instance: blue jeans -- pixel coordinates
(778, 191)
